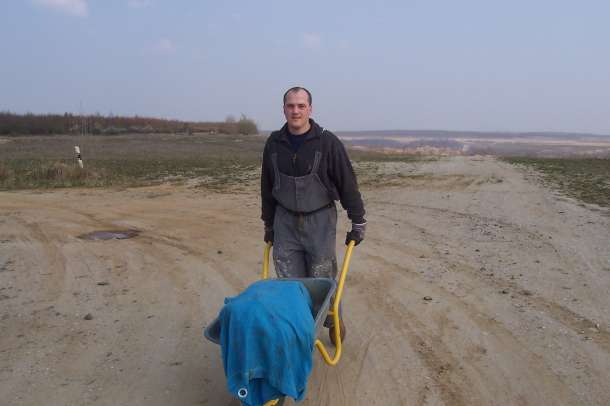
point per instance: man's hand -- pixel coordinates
(357, 233)
(269, 234)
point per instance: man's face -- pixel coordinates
(297, 110)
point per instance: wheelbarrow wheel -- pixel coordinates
(278, 402)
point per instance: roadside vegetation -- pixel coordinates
(12, 124)
(375, 169)
(216, 161)
(35, 174)
(231, 163)
(586, 179)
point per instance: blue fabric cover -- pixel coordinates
(267, 336)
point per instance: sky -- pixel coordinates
(479, 65)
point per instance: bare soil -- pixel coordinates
(518, 277)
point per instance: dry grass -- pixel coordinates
(5, 172)
(137, 160)
(381, 170)
(220, 162)
(586, 179)
(20, 174)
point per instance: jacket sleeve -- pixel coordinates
(342, 175)
(268, 202)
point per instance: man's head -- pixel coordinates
(297, 109)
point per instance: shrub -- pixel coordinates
(246, 126)
(60, 174)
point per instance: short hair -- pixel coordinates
(296, 89)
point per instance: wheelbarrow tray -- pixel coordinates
(321, 291)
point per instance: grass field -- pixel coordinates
(586, 179)
(137, 160)
(228, 162)
(222, 162)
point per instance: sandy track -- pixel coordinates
(519, 280)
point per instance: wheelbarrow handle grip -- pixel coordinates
(266, 260)
(343, 275)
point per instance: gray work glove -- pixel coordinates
(269, 234)
(357, 233)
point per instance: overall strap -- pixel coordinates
(316, 162)
(276, 171)
(319, 154)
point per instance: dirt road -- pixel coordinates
(518, 282)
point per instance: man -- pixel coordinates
(305, 169)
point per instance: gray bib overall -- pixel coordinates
(305, 225)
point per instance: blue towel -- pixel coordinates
(267, 336)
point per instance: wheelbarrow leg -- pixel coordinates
(335, 312)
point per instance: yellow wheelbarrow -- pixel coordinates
(322, 291)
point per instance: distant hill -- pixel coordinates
(442, 134)
(430, 142)
(446, 134)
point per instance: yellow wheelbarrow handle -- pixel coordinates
(335, 308)
(266, 260)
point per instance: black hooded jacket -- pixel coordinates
(335, 171)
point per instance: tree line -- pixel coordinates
(13, 124)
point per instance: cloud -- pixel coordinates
(311, 40)
(139, 3)
(77, 8)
